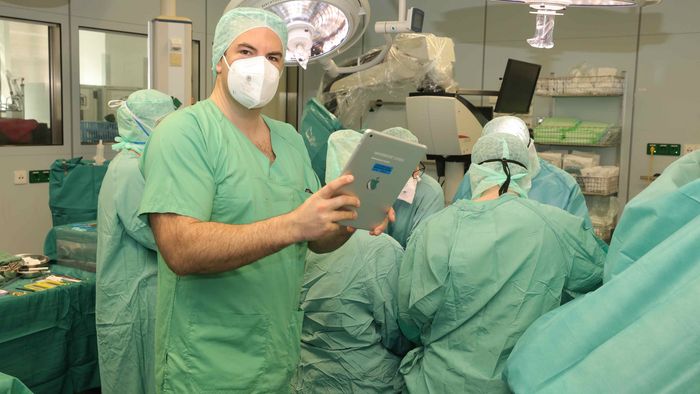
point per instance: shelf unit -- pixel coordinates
(599, 99)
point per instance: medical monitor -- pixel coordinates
(518, 87)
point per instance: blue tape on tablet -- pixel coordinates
(382, 169)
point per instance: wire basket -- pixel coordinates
(93, 132)
(598, 185)
(608, 85)
(609, 136)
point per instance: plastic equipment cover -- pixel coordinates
(638, 332)
(317, 124)
(415, 61)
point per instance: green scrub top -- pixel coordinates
(475, 276)
(236, 331)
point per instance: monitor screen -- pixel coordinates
(518, 87)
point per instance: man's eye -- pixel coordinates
(245, 52)
(273, 59)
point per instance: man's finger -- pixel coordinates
(343, 201)
(338, 216)
(332, 187)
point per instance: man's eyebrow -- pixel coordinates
(248, 46)
(276, 53)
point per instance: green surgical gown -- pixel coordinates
(351, 342)
(237, 331)
(474, 277)
(126, 282)
(654, 214)
(429, 199)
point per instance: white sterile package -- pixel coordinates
(601, 171)
(554, 158)
(575, 161)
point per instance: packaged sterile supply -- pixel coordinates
(601, 171)
(554, 158)
(574, 162)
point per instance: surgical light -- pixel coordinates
(546, 10)
(318, 29)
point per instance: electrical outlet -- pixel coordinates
(687, 148)
(21, 177)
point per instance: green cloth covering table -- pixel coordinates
(12, 385)
(48, 338)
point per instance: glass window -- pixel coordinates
(195, 71)
(30, 80)
(112, 66)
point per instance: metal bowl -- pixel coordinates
(32, 274)
(43, 260)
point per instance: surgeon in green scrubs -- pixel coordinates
(230, 198)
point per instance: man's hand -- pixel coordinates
(390, 217)
(319, 215)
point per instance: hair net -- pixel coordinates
(138, 116)
(498, 146)
(517, 127)
(238, 21)
(341, 144)
(400, 132)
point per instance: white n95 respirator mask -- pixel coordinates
(252, 81)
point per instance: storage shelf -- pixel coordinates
(580, 95)
(611, 145)
(581, 86)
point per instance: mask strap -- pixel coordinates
(137, 120)
(504, 187)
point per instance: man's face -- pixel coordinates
(260, 41)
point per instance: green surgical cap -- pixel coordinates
(500, 146)
(238, 21)
(401, 133)
(138, 115)
(341, 144)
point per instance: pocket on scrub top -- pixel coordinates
(228, 353)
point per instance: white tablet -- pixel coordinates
(381, 165)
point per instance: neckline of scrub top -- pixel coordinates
(484, 205)
(261, 157)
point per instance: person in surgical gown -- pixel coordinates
(126, 255)
(478, 273)
(550, 185)
(421, 197)
(350, 341)
(638, 333)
